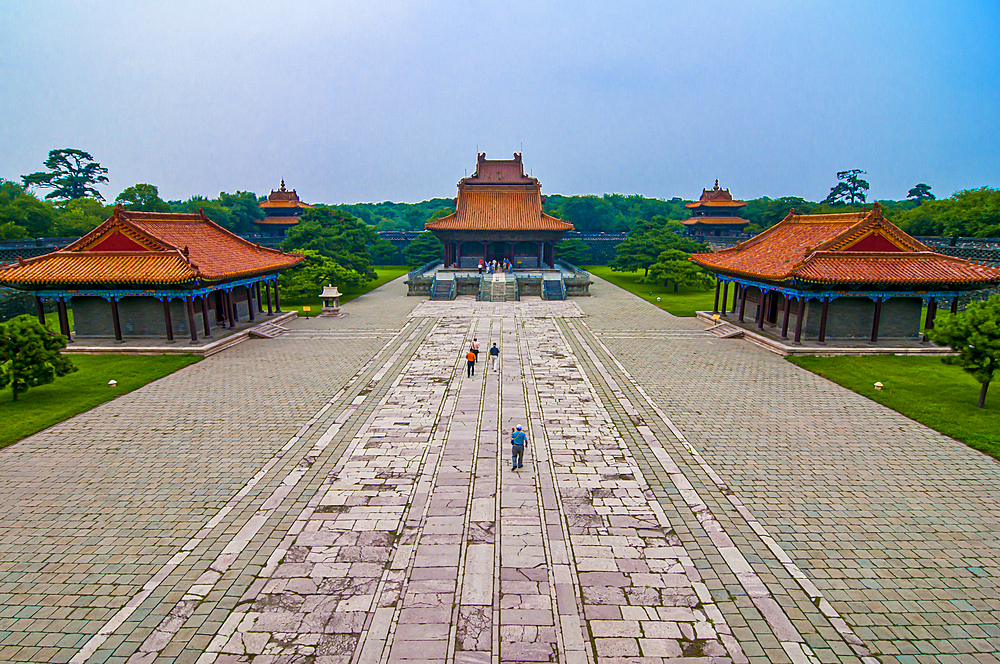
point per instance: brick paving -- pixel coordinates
(344, 493)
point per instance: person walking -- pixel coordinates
(475, 347)
(494, 355)
(518, 439)
(470, 367)
(480, 266)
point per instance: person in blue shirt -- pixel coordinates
(518, 439)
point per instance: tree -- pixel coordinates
(336, 234)
(647, 241)
(968, 213)
(384, 252)
(423, 249)
(975, 335)
(589, 214)
(72, 174)
(851, 188)
(29, 355)
(22, 209)
(79, 216)
(674, 265)
(574, 251)
(304, 281)
(921, 192)
(142, 198)
(244, 210)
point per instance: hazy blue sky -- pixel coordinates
(372, 101)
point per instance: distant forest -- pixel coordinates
(969, 213)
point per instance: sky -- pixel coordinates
(372, 101)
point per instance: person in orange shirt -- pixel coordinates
(471, 367)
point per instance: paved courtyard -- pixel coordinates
(344, 493)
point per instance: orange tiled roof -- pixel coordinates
(493, 171)
(96, 267)
(817, 248)
(182, 248)
(269, 205)
(692, 221)
(716, 197)
(282, 198)
(499, 197)
(922, 267)
(497, 209)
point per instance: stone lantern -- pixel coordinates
(329, 293)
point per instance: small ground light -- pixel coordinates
(657, 299)
(878, 386)
(112, 382)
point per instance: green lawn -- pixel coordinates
(922, 388)
(41, 407)
(52, 319)
(685, 302)
(386, 273)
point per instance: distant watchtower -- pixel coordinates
(715, 213)
(281, 211)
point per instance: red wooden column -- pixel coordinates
(115, 319)
(801, 310)
(260, 307)
(954, 305)
(40, 310)
(250, 302)
(875, 318)
(227, 302)
(538, 253)
(718, 285)
(204, 316)
(736, 295)
(232, 306)
(277, 302)
(166, 319)
(743, 301)
(725, 292)
(929, 322)
(63, 319)
(190, 308)
(822, 320)
(784, 320)
(761, 306)
(267, 293)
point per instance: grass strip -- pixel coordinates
(924, 389)
(686, 302)
(41, 407)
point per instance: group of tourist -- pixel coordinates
(490, 267)
(473, 356)
(518, 439)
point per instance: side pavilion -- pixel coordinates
(149, 274)
(849, 276)
(498, 214)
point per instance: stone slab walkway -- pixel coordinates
(344, 493)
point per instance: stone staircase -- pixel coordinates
(498, 288)
(725, 330)
(510, 294)
(442, 289)
(552, 289)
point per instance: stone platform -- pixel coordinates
(768, 340)
(221, 339)
(344, 493)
